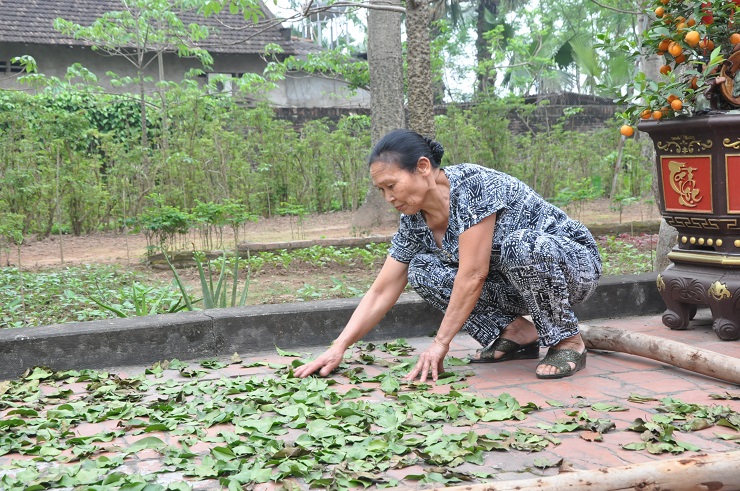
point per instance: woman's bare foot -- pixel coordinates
(520, 331)
(574, 343)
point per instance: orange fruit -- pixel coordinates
(677, 105)
(691, 22)
(680, 27)
(680, 59)
(627, 130)
(659, 12)
(664, 2)
(675, 49)
(735, 38)
(665, 69)
(706, 44)
(657, 114)
(671, 98)
(680, 19)
(695, 83)
(645, 114)
(692, 38)
(663, 46)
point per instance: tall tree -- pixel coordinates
(385, 62)
(420, 86)
(482, 48)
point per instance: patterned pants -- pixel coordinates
(538, 274)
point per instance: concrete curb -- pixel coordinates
(221, 332)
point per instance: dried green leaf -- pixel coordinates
(543, 463)
(735, 396)
(603, 407)
(728, 436)
(640, 399)
(287, 353)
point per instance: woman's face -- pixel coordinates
(403, 189)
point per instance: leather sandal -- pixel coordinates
(559, 359)
(510, 349)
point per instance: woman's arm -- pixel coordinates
(475, 257)
(378, 300)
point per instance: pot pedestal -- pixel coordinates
(700, 279)
(698, 170)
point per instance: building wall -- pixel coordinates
(308, 91)
(592, 117)
(295, 91)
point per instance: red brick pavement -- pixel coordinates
(609, 377)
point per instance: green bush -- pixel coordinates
(75, 161)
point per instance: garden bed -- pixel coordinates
(109, 267)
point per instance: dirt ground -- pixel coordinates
(130, 250)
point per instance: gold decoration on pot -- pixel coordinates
(728, 144)
(683, 182)
(660, 283)
(719, 291)
(703, 223)
(683, 144)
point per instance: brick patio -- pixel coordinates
(609, 377)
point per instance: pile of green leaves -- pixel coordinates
(657, 433)
(260, 428)
(235, 432)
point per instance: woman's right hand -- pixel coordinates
(327, 362)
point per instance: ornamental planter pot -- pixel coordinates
(698, 164)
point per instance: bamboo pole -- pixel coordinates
(715, 472)
(677, 354)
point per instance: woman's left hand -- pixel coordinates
(432, 359)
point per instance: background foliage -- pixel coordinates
(72, 161)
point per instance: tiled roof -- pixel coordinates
(32, 22)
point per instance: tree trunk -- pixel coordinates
(142, 105)
(617, 166)
(385, 62)
(667, 239)
(482, 52)
(420, 89)
(705, 362)
(717, 472)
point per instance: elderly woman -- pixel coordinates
(485, 249)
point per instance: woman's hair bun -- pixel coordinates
(438, 151)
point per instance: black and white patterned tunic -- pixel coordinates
(542, 262)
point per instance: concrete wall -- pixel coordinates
(305, 91)
(53, 61)
(592, 117)
(295, 91)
